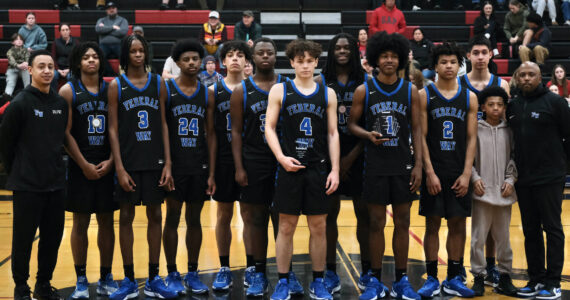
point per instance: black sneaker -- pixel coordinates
(530, 290)
(164, 6)
(479, 286)
(506, 286)
(22, 293)
(44, 291)
(181, 6)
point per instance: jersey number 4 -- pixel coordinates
(184, 126)
(306, 126)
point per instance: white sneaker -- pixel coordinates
(567, 22)
(416, 8)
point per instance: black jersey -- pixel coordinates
(254, 107)
(464, 81)
(223, 123)
(388, 110)
(304, 123)
(89, 121)
(447, 130)
(186, 117)
(140, 127)
(344, 93)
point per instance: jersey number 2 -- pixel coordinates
(448, 130)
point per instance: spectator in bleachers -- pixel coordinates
(179, 5)
(421, 48)
(60, 51)
(486, 25)
(417, 78)
(247, 70)
(559, 79)
(74, 4)
(247, 29)
(17, 65)
(515, 24)
(34, 36)
(566, 11)
(111, 30)
(209, 76)
(540, 5)
(213, 33)
(170, 69)
(536, 42)
(362, 39)
(387, 18)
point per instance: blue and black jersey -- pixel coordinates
(464, 81)
(223, 122)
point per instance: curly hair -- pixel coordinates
(236, 45)
(492, 91)
(382, 42)
(298, 47)
(356, 71)
(77, 55)
(186, 45)
(447, 48)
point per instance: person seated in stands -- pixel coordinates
(247, 70)
(478, 4)
(170, 69)
(559, 80)
(17, 65)
(565, 6)
(421, 48)
(539, 6)
(74, 4)
(209, 76)
(33, 35)
(422, 4)
(362, 39)
(111, 30)
(515, 23)
(387, 18)
(212, 34)
(60, 51)
(536, 42)
(247, 29)
(179, 5)
(486, 25)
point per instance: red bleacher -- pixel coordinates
(3, 65)
(171, 17)
(502, 66)
(1, 32)
(230, 30)
(470, 16)
(115, 65)
(75, 31)
(43, 16)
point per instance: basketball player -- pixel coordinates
(139, 142)
(90, 180)
(308, 118)
(390, 106)
(190, 117)
(343, 73)
(234, 55)
(449, 127)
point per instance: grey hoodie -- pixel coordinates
(493, 163)
(34, 38)
(108, 35)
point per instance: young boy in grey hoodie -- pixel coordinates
(493, 177)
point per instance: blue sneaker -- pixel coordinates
(549, 293)
(492, 278)
(81, 289)
(430, 288)
(281, 291)
(157, 289)
(128, 290)
(223, 279)
(248, 275)
(295, 287)
(363, 280)
(193, 283)
(108, 286)
(530, 290)
(318, 290)
(456, 287)
(332, 282)
(258, 286)
(403, 290)
(374, 290)
(463, 274)
(174, 283)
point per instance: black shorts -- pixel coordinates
(147, 192)
(227, 189)
(260, 186)
(352, 186)
(388, 189)
(445, 204)
(302, 192)
(190, 188)
(89, 196)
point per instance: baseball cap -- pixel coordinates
(138, 28)
(214, 14)
(110, 4)
(209, 58)
(248, 13)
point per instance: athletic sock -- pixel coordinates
(461, 261)
(318, 274)
(250, 262)
(331, 267)
(291, 266)
(260, 266)
(192, 267)
(377, 273)
(130, 272)
(283, 276)
(365, 266)
(171, 268)
(80, 270)
(152, 271)
(225, 261)
(400, 273)
(104, 271)
(453, 268)
(490, 262)
(431, 268)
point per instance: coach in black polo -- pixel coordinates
(31, 139)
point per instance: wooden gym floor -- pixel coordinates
(348, 262)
